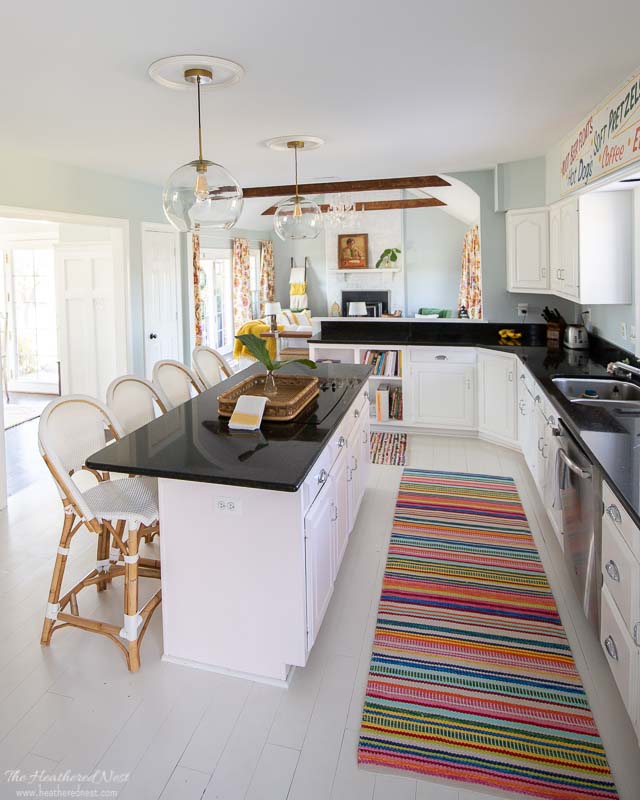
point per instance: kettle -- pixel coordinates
(576, 337)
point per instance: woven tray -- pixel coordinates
(295, 393)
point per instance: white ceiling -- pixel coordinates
(403, 88)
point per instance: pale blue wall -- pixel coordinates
(499, 304)
(520, 184)
(34, 183)
(432, 258)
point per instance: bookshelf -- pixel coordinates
(358, 354)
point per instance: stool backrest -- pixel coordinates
(210, 366)
(71, 428)
(134, 400)
(176, 381)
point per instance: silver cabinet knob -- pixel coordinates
(356, 413)
(612, 571)
(610, 647)
(442, 358)
(342, 441)
(322, 477)
(366, 395)
(614, 513)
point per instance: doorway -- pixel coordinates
(63, 326)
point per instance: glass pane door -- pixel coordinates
(217, 307)
(33, 323)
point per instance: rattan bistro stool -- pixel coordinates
(118, 511)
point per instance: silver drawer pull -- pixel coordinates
(322, 477)
(355, 464)
(364, 437)
(342, 441)
(366, 395)
(612, 571)
(636, 633)
(356, 413)
(614, 512)
(442, 358)
(521, 406)
(610, 647)
(540, 443)
(334, 515)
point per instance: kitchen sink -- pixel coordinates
(598, 390)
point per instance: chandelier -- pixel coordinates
(342, 212)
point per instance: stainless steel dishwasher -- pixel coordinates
(579, 496)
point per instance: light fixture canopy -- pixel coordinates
(201, 195)
(297, 217)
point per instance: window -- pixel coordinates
(215, 290)
(254, 282)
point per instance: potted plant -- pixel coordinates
(258, 349)
(388, 257)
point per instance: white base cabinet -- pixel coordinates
(442, 384)
(320, 538)
(497, 396)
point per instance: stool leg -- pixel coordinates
(56, 580)
(130, 629)
(102, 558)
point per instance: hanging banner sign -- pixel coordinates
(608, 140)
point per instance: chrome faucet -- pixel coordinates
(619, 366)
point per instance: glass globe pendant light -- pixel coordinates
(297, 217)
(201, 195)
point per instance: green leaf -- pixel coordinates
(393, 257)
(257, 347)
(305, 361)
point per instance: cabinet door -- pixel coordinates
(528, 250)
(555, 249)
(570, 245)
(444, 395)
(319, 532)
(340, 476)
(365, 455)
(497, 395)
(354, 472)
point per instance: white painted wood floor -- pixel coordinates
(183, 733)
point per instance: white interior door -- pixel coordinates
(89, 340)
(162, 295)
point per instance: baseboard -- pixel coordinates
(249, 676)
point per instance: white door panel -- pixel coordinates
(162, 296)
(87, 332)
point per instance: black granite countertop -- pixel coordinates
(192, 443)
(609, 438)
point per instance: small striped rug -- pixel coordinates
(389, 448)
(472, 677)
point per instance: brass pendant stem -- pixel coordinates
(198, 80)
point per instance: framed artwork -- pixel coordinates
(353, 251)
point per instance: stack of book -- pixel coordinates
(388, 403)
(384, 362)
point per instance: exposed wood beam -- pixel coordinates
(373, 185)
(380, 205)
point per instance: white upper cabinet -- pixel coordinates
(528, 250)
(580, 248)
(591, 248)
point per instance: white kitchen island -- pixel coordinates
(254, 525)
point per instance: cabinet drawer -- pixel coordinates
(318, 476)
(621, 652)
(439, 355)
(621, 576)
(614, 511)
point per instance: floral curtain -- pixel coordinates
(267, 275)
(197, 298)
(241, 282)
(471, 280)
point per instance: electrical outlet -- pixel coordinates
(623, 330)
(523, 309)
(227, 505)
(586, 316)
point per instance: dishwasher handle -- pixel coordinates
(575, 468)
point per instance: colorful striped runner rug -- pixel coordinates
(389, 448)
(472, 677)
